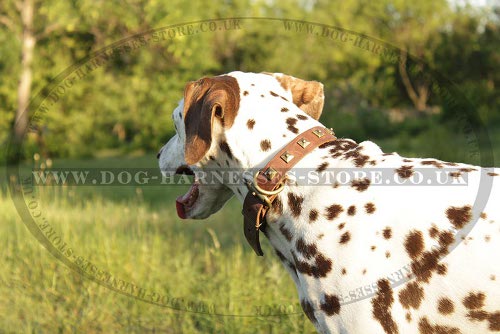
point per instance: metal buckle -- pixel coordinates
(263, 194)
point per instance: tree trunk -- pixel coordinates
(24, 87)
(418, 96)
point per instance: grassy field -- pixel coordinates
(134, 234)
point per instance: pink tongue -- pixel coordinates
(180, 210)
(187, 199)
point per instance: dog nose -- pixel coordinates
(159, 153)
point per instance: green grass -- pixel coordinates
(136, 236)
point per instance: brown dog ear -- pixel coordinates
(205, 100)
(307, 95)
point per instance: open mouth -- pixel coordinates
(186, 202)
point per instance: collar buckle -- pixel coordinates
(262, 194)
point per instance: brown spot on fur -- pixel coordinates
(381, 307)
(483, 215)
(245, 93)
(459, 216)
(295, 204)
(322, 167)
(387, 233)
(407, 160)
(290, 121)
(414, 244)
(492, 174)
(361, 184)
(477, 315)
(308, 310)
(265, 145)
(370, 208)
(330, 305)
(307, 250)
(286, 232)
(373, 248)
(273, 93)
(442, 269)
(425, 265)
(339, 146)
(446, 238)
(333, 211)
(320, 268)
(277, 206)
(408, 316)
(387, 255)
(301, 117)
(455, 174)
(344, 271)
(405, 172)
(445, 306)
(341, 226)
(313, 215)
(494, 320)
(426, 328)
(284, 109)
(433, 231)
(323, 266)
(467, 170)
(434, 163)
(359, 159)
(224, 146)
(250, 123)
(351, 211)
(344, 238)
(481, 315)
(411, 296)
(474, 300)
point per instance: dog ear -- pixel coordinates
(307, 95)
(204, 100)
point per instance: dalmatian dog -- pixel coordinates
(366, 256)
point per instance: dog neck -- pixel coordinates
(247, 156)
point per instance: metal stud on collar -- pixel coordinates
(318, 133)
(270, 173)
(287, 157)
(303, 143)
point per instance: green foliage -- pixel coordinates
(124, 104)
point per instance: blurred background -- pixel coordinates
(117, 114)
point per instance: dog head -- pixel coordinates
(216, 109)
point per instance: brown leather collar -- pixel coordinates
(270, 180)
